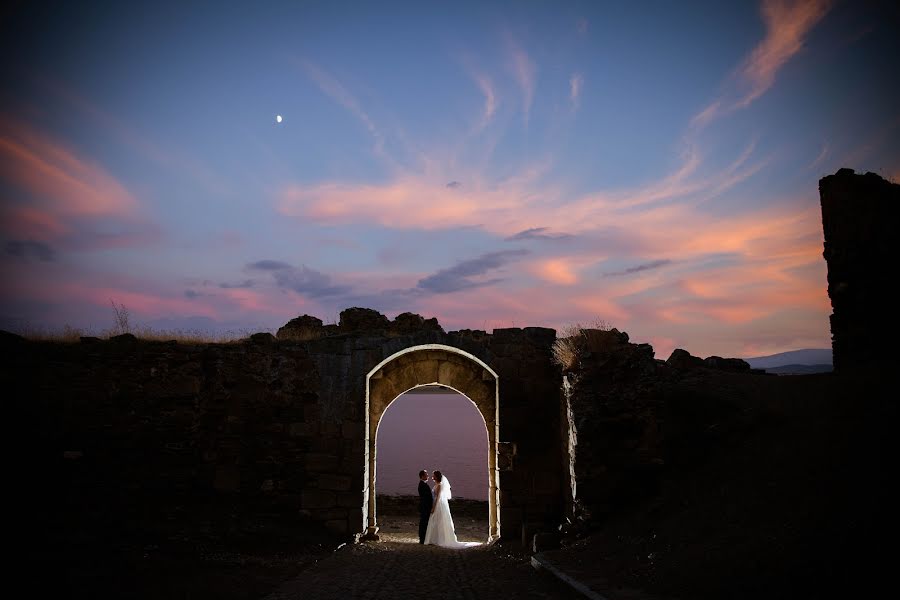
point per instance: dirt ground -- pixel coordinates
(398, 519)
(788, 500)
(179, 568)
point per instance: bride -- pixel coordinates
(440, 531)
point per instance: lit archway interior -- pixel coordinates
(431, 365)
(432, 427)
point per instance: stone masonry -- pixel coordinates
(860, 217)
(262, 433)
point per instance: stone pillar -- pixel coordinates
(859, 219)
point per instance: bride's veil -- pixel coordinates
(445, 488)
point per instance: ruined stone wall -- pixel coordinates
(860, 218)
(138, 438)
(143, 437)
(615, 405)
(634, 418)
(532, 484)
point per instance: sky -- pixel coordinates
(652, 166)
(432, 431)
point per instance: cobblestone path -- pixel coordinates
(401, 569)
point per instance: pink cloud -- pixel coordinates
(406, 203)
(555, 270)
(81, 289)
(505, 207)
(65, 183)
(32, 223)
(788, 23)
(265, 302)
(66, 197)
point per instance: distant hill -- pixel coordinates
(807, 357)
(800, 369)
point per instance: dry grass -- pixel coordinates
(122, 324)
(572, 340)
(184, 336)
(302, 334)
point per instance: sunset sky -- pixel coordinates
(490, 164)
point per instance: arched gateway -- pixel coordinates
(432, 364)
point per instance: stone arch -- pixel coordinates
(432, 364)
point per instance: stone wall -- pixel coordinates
(144, 439)
(859, 218)
(633, 417)
(268, 434)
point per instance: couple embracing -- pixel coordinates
(435, 522)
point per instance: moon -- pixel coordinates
(278, 118)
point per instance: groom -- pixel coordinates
(425, 500)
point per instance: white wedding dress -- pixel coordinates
(440, 531)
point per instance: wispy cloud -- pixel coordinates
(521, 205)
(524, 71)
(65, 183)
(464, 275)
(303, 280)
(64, 197)
(788, 23)
(406, 202)
(30, 249)
(538, 233)
(490, 100)
(823, 154)
(655, 264)
(581, 26)
(171, 158)
(576, 82)
(268, 265)
(332, 88)
(247, 283)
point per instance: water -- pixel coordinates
(434, 431)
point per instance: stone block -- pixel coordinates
(350, 499)
(340, 483)
(547, 482)
(330, 429)
(505, 453)
(528, 532)
(511, 524)
(318, 462)
(227, 478)
(353, 430)
(338, 525)
(310, 499)
(301, 429)
(506, 367)
(325, 445)
(426, 371)
(544, 541)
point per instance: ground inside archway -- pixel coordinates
(398, 519)
(432, 428)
